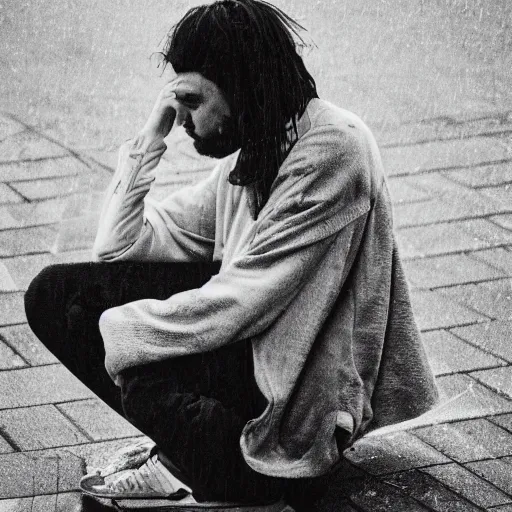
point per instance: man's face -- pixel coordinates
(205, 114)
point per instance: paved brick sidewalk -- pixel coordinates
(452, 187)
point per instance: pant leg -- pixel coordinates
(64, 302)
(193, 407)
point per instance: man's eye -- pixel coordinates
(191, 101)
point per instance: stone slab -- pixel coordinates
(442, 155)
(371, 495)
(50, 168)
(461, 398)
(24, 268)
(39, 213)
(402, 190)
(505, 221)
(490, 336)
(97, 454)
(493, 299)
(40, 385)
(28, 145)
(430, 492)
(76, 234)
(5, 447)
(83, 204)
(484, 176)
(496, 472)
(7, 221)
(12, 309)
(435, 311)
(62, 502)
(26, 241)
(9, 127)
(21, 338)
(452, 237)
(503, 420)
(7, 283)
(499, 258)
(391, 453)
(468, 441)
(468, 485)
(30, 474)
(447, 209)
(448, 354)
(98, 420)
(8, 195)
(35, 428)
(9, 359)
(499, 379)
(501, 194)
(35, 190)
(449, 270)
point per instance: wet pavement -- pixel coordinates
(432, 81)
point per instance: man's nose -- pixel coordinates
(182, 115)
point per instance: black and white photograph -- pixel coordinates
(256, 256)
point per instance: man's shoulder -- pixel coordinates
(344, 128)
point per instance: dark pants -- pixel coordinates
(193, 407)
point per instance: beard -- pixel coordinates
(218, 145)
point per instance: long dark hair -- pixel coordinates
(248, 48)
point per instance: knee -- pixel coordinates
(38, 295)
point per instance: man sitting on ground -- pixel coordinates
(257, 323)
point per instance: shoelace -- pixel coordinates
(152, 475)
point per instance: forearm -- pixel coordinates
(121, 222)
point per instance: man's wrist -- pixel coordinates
(145, 141)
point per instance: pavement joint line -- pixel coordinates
(485, 416)
(465, 283)
(489, 387)
(486, 216)
(15, 350)
(33, 253)
(35, 451)
(485, 134)
(46, 224)
(466, 372)
(14, 134)
(74, 423)
(28, 160)
(450, 253)
(453, 168)
(71, 151)
(9, 440)
(10, 187)
(487, 351)
(502, 117)
(467, 252)
(25, 368)
(59, 402)
(463, 324)
(496, 224)
(44, 178)
(453, 461)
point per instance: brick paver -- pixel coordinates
(453, 215)
(469, 485)
(449, 354)
(469, 440)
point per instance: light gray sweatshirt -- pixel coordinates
(315, 282)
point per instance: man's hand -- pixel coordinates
(162, 116)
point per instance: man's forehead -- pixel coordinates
(192, 81)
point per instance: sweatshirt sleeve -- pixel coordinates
(133, 227)
(322, 188)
